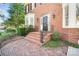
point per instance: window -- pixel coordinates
(29, 19)
(29, 7)
(71, 15)
(66, 15)
(77, 13)
(35, 5)
(26, 9)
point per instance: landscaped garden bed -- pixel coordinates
(55, 41)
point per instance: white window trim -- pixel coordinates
(72, 16)
(29, 22)
(27, 9)
(32, 6)
(41, 27)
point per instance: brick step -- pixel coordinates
(38, 39)
(46, 39)
(35, 33)
(33, 37)
(33, 40)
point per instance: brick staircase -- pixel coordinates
(35, 37)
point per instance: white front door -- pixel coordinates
(45, 23)
(29, 19)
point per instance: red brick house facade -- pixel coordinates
(54, 16)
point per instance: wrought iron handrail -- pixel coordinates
(42, 35)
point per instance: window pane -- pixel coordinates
(31, 20)
(66, 14)
(77, 12)
(35, 5)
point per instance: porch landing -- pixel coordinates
(35, 37)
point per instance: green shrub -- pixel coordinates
(21, 31)
(10, 30)
(53, 43)
(6, 36)
(29, 29)
(55, 35)
(71, 44)
(0, 33)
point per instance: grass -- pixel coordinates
(53, 43)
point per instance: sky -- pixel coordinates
(4, 7)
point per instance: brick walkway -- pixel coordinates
(23, 47)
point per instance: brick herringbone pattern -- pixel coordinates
(23, 47)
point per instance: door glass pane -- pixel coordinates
(45, 23)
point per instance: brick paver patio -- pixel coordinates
(23, 47)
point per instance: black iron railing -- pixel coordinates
(41, 36)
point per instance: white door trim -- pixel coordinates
(41, 22)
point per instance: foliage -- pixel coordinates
(24, 31)
(10, 30)
(0, 33)
(6, 36)
(16, 11)
(21, 31)
(29, 29)
(55, 35)
(71, 44)
(53, 43)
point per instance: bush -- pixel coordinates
(24, 31)
(21, 31)
(53, 43)
(0, 33)
(55, 35)
(71, 44)
(29, 29)
(6, 36)
(10, 30)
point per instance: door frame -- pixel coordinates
(41, 22)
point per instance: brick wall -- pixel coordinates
(70, 34)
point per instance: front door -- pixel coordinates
(45, 23)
